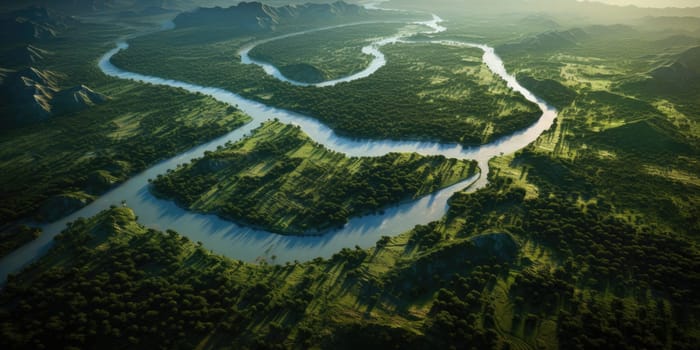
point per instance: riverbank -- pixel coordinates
(250, 244)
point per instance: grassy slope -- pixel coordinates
(637, 150)
(281, 180)
(90, 151)
(424, 92)
(334, 53)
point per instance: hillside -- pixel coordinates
(32, 24)
(32, 95)
(549, 40)
(23, 55)
(75, 99)
(690, 60)
(680, 77)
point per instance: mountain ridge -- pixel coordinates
(32, 95)
(682, 72)
(256, 16)
(23, 55)
(31, 24)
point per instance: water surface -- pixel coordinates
(235, 241)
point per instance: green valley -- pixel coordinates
(581, 231)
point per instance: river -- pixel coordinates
(244, 243)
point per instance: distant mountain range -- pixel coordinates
(588, 11)
(690, 24)
(650, 3)
(32, 24)
(666, 36)
(255, 16)
(131, 8)
(29, 94)
(548, 40)
(91, 6)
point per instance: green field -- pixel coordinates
(280, 180)
(424, 92)
(325, 55)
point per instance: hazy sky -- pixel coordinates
(655, 3)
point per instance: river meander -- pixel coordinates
(244, 243)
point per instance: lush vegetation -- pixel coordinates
(602, 280)
(424, 92)
(15, 236)
(324, 55)
(279, 179)
(53, 167)
(593, 281)
(128, 286)
(617, 140)
(586, 239)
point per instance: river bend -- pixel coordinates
(239, 242)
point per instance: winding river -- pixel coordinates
(232, 240)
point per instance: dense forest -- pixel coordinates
(128, 286)
(590, 282)
(585, 239)
(313, 58)
(54, 167)
(281, 180)
(424, 92)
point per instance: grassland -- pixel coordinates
(325, 55)
(424, 92)
(280, 180)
